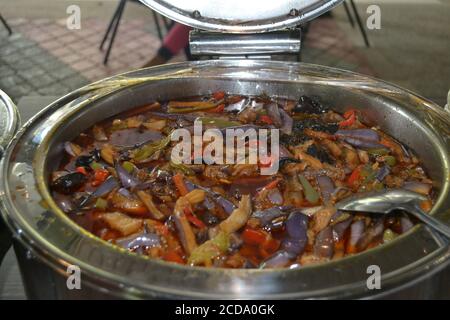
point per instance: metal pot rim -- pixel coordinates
(33, 202)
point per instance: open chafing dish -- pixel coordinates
(48, 241)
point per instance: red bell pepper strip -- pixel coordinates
(253, 237)
(355, 176)
(218, 109)
(100, 176)
(179, 183)
(266, 119)
(81, 170)
(219, 95)
(272, 185)
(350, 118)
(193, 219)
(173, 256)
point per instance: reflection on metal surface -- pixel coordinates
(385, 202)
(215, 44)
(237, 16)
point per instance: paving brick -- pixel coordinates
(32, 72)
(42, 81)
(62, 72)
(5, 70)
(31, 51)
(83, 65)
(75, 82)
(54, 90)
(61, 51)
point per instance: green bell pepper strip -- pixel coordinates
(310, 193)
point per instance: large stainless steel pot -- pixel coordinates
(47, 237)
(9, 123)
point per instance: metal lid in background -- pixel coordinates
(9, 120)
(241, 16)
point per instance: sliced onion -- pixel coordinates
(237, 107)
(106, 187)
(324, 244)
(356, 232)
(287, 122)
(418, 187)
(129, 138)
(406, 224)
(326, 187)
(274, 113)
(340, 228)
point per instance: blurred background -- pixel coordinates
(43, 57)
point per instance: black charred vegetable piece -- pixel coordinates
(317, 125)
(298, 137)
(319, 153)
(308, 105)
(86, 160)
(69, 183)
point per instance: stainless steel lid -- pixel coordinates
(9, 120)
(237, 16)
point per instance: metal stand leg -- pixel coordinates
(114, 26)
(360, 24)
(158, 27)
(6, 25)
(349, 15)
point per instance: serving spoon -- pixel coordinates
(385, 202)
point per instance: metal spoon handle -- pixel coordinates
(430, 221)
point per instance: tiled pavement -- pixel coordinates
(43, 57)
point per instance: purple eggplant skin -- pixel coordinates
(139, 240)
(383, 172)
(267, 215)
(293, 244)
(296, 228)
(360, 134)
(364, 144)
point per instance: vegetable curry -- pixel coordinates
(117, 180)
